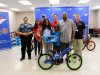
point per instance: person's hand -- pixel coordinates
(83, 38)
(39, 41)
(43, 39)
(24, 34)
(72, 39)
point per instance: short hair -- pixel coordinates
(55, 14)
(56, 25)
(77, 14)
(25, 17)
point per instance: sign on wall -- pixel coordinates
(5, 42)
(71, 11)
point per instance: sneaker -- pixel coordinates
(35, 57)
(61, 60)
(67, 60)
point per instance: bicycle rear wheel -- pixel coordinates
(91, 46)
(74, 65)
(42, 64)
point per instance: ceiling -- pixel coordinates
(45, 3)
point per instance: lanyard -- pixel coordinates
(77, 24)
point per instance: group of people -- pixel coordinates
(65, 30)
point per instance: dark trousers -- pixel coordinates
(35, 42)
(26, 42)
(64, 46)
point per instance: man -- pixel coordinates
(25, 31)
(79, 35)
(67, 30)
(43, 17)
(55, 16)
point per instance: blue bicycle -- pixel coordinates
(46, 61)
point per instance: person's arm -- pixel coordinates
(73, 32)
(19, 32)
(84, 29)
(41, 33)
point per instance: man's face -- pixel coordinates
(77, 17)
(43, 17)
(64, 15)
(25, 20)
(55, 17)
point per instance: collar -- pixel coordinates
(76, 21)
(66, 20)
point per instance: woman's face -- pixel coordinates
(46, 22)
(37, 22)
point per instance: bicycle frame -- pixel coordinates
(60, 56)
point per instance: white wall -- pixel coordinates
(98, 18)
(21, 15)
(12, 19)
(93, 19)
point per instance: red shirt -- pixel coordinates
(40, 23)
(37, 31)
(53, 23)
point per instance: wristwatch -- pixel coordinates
(22, 33)
(72, 36)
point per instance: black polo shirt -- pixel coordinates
(80, 26)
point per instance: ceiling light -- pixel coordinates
(25, 2)
(83, 1)
(96, 7)
(14, 9)
(54, 1)
(2, 5)
(33, 8)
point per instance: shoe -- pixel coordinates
(35, 57)
(29, 58)
(61, 60)
(67, 60)
(22, 59)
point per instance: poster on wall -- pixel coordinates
(71, 11)
(5, 42)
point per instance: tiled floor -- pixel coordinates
(10, 64)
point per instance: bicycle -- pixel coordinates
(89, 43)
(46, 61)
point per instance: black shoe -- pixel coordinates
(29, 58)
(22, 59)
(61, 60)
(67, 60)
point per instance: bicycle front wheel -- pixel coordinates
(74, 65)
(42, 64)
(91, 46)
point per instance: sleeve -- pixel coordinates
(51, 28)
(41, 29)
(83, 24)
(34, 30)
(53, 33)
(74, 26)
(19, 29)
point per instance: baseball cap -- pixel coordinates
(43, 15)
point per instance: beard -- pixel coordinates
(64, 18)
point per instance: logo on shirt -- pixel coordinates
(2, 20)
(85, 14)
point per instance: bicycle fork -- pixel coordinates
(72, 57)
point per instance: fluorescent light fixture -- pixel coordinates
(14, 9)
(83, 1)
(96, 7)
(33, 8)
(2, 5)
(25, 2)
(54, 1)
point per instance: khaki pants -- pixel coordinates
(78, 47)
(47, 46)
